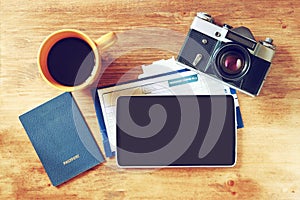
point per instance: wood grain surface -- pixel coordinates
(268, 163)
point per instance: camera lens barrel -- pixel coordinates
(232, 61)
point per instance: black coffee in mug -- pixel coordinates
(70, 61)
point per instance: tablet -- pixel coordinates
(176, 131)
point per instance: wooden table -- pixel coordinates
(268, 164)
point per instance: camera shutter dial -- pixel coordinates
(227, 26)
(268, 42)
(205, 17)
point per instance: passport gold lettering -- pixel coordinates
(71, 159)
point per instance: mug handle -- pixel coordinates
(106, 40)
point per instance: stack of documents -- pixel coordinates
(164, 77)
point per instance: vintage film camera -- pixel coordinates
(231, 55)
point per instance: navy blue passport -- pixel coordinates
(61, 138)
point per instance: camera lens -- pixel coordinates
(232, 61)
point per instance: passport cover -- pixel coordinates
(61, 138)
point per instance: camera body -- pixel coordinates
(230, 55)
